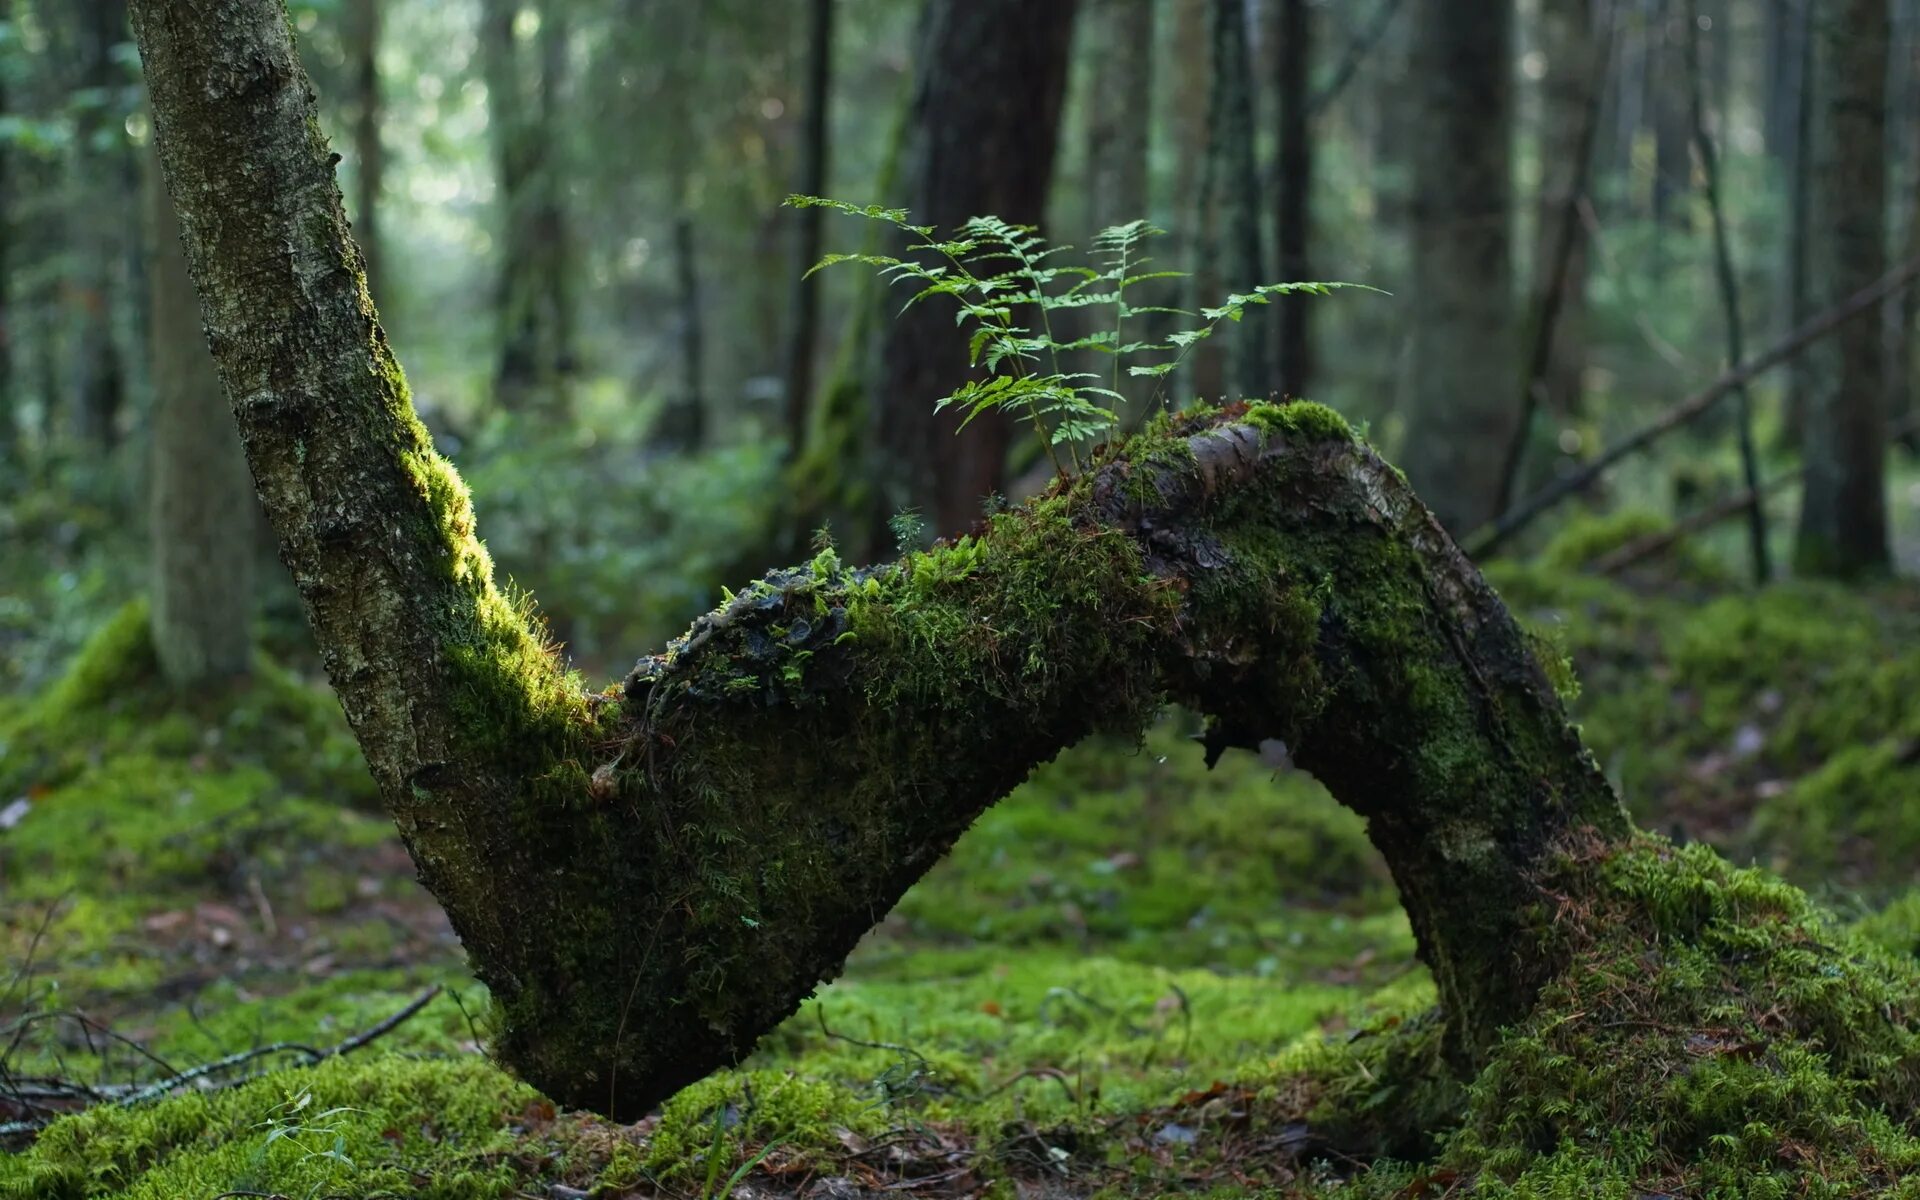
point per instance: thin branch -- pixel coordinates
(1729, 301)
(1567, 239)
(1357, 51)
(1640, 549)
(1492, 537)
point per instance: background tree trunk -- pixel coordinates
(369, 156)
(103, 179)
(1843, 512)
(1240, 262)
(12, 458)
(804, 312)
(1120, 37)
(1293, 194)
(1568, 40)
(1463, 406)
(985, 121)
(202, 499)
(535, 301)
(647, 885)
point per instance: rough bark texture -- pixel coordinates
(986, 112)
(1462, 402)
(1843, 512)
(202, 499)
(648, 880)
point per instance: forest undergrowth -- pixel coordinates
(1132, 977)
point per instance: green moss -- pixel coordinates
(1301, 419)
(1777, 724)
(112, 696)
(433, 1128)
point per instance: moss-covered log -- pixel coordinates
(651, 877)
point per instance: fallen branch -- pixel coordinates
(1637, 551)
(1357, 51)
(1490, 539)
(127, 1096)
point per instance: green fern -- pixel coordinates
(1000, 275)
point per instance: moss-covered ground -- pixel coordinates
(1132, 978)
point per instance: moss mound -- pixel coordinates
(112, 700)
(1781, 725)
(1713, 1035)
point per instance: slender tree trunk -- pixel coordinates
(1120, 37)
(985, 122)
(1781, 100)
(1238, 254)
(803, 336)
(99, 221)
(685, 427)
(648, 882)
(1728, 280)
(1567, 36)
(11, 456)
(202, 499)
(1463, 410)
(1293, 223)
(1843, 514)
(1799, 305)
(1203, 374)
(534, 298)
(1672, 132)
(369, 155)
(1903, 311)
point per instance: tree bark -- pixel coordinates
(1293, 193)
(1568, 39)
(11, 457)
(804, 334)
(649, 879)
(1843, 511)
(202, 499)
(369, 155)
(1237, 254)
(985, 121)
(1120, 34)
(533, 299)
(1462, 410)
(100, 218)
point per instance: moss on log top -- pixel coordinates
(764, 790)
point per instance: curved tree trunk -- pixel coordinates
(649, 878)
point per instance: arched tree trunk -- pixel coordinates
(650, 877)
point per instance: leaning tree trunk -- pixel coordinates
(650, 877)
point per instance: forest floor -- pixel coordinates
(1112, 986)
